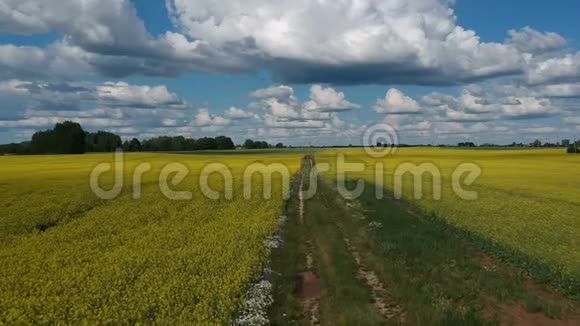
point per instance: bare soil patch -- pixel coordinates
(385, 305)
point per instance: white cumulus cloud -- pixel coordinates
(204, 119)
(555, 70)
(530, 40)
(123, 93)
(281, 92)
(396, 102)
(328, 100)
(234, 113)
(371, 41)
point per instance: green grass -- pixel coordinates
(286, 262)
(528, 210)
(438, 277)
(438, 272)
(432, 276)
(345, 299)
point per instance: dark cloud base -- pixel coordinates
(298, 72)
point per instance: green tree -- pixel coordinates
(190, 144)
(43, 142)
(249, 144)
(126, 146)
(206, 143)
(69, 138)
(65, 138)
(102, 141)
(224, 143)
(177, 144)
(262, 145)
(135, 145)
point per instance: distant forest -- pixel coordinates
(70, 138)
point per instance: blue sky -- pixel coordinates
(302, 72)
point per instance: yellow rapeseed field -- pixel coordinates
(68, 256)
(529, 200)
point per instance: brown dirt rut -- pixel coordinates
(385, 305)
(309, 286)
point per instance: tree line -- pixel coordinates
(70, 138)
(574, 148)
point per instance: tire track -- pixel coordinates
(383, 302)
(309, 285)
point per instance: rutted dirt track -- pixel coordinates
(344, 276)
(309, 286)
(385, 305)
